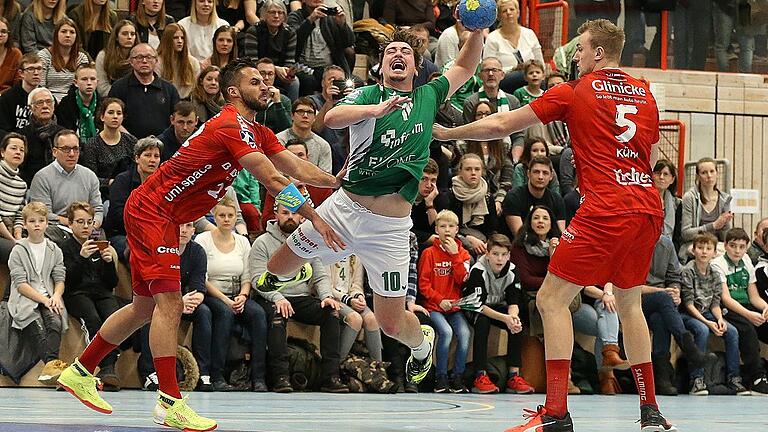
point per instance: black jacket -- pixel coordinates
(142, 33)
(90, 275)
(121, 188)
(67, 112)
(148, 108)
(14, 110)
(170, 143)
(337, 36)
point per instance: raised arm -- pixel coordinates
(466, 62)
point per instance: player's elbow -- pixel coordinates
(334, 119)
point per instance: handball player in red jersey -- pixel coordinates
(614, 125)
(183, 189)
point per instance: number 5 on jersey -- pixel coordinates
(623, 121)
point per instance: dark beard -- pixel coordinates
(254, 104)
(288, 226)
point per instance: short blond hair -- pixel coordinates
(226, 202)
(605, 34)
(34, 208)
(447, 216)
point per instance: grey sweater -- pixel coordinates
(263, 248)
(57, 189)
(20, 263)
(690, 222)
(665, 268)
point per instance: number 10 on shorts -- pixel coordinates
(392, 281)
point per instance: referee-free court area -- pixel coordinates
(44, 410)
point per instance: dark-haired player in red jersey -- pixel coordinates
(184, 188)
(614, 122)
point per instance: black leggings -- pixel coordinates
(93, 309)
(482, 325)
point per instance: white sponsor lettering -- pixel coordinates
(167, 250)
(188, 182)
(633, 177)
(627, 153)
(618, 87)
(388, 138)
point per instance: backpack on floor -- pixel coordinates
(303, 364)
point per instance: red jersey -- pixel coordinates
(190, 183)
(613, 122)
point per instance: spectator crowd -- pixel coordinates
(93, 101)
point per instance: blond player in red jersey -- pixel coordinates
(614, 122)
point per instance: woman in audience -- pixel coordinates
(272, 38)
(200, 25)
(705, 208)
(90, 282)
(9, 57)
(495, 154)
(61, 59)
(229, 282)
(240, 14)
(150, 20)
(95, 20)
(471, 199)
(112, 62)
(13, 192)
(533, 147)
(175, 64)
(224, 48)
(513, 44)
(37, 24)
(11, 11)
(206, 95)
(110, 152)
(534, 244)
(665, 181)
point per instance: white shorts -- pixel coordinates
(380, 242)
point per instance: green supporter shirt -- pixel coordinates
(470, 87)
(737, 276)
(525, 97)
(388, 155)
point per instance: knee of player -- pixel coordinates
(389, 325)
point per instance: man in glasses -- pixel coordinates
(14, 107)
(63, 182)
(149, 99)
(39, 131)
(303, 116)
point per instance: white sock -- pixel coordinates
(421, 351)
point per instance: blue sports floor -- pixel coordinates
(45, 410)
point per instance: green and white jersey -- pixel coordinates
(388, 155)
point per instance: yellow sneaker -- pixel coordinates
(416, 370)
(268, 282)
(84, 386)
(51, 372)
(175, 413)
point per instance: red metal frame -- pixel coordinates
(664, 38)
(536, 8)
(680, 150)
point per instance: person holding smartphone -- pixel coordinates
(90, 281)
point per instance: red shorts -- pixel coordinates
(153, 241)
(616, 249)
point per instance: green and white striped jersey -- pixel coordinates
(388, 155)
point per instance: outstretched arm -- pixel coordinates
(305, 171)
(496, 126)
(466, 62)
(342, 116)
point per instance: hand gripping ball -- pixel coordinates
(477, 14)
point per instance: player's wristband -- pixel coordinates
(290, 198)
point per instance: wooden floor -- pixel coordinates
(44, 410)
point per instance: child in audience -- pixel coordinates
(746, 309)
(494, 284)
(442, 270)
(701, 291)
(37, 272)
(346, 278)
(534, 75)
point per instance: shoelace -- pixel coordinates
(531, 414)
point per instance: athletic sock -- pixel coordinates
(166, 375)
(95, 352)
(557, 387)
(646, 385)
(347, 339)
(373, 342)
(421, 351)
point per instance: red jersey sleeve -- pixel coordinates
(239, 141)
(268, 141)
(554, 103)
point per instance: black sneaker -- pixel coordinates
(411, 387)
(760, 386)
(222, 386)
(540, 421)
(441, 384)
(204, 384)
(651, 420)
(457, 385)
(259, 386)
(151, 383)
(734, 383)
(698, 387)
(282, 385)
(334, 385)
